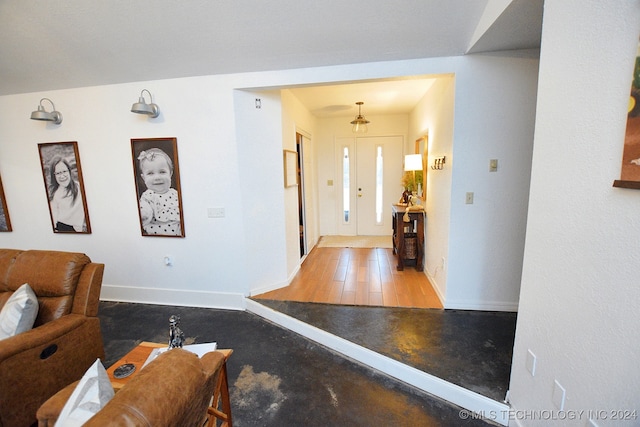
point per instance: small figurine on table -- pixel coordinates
(176, 336)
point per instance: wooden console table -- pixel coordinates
(408, 237)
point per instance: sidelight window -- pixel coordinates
(346, 184)
(379, 181)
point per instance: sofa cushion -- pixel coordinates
(19, 312)
(90, 395)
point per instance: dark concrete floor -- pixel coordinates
(277, 377)
(472, 349)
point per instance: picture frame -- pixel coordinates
(630, 165)
(157, 182)
(64, 187)
(422, 148)
(290, 168)
(5, 221)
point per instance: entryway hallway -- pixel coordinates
(357, 276)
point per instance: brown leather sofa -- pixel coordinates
(66, 338)
(173, 390)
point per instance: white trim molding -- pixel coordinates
(179, 297)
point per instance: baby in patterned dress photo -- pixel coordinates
(159, 204)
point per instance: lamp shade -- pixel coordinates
(413, 162)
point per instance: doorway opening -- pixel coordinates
(301, 207)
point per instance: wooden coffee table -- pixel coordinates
(220, 404)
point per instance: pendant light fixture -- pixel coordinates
(359, 123)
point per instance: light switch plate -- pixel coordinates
(215, 212)
(531, 363)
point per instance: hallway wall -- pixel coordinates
(578, 308)
(434, 115)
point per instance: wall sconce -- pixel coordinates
(41, 114)
(438, 163)
(141, 107)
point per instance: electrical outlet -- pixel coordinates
(469, 198)
(493, 165)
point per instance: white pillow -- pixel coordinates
(19, 312)
(90, 395)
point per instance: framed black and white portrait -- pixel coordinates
(63, 184)
(157, 180)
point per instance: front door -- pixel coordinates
(371, 175)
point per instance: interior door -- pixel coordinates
(378, 176)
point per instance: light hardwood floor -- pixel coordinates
(357, 276)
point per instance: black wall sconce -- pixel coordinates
(438, 163)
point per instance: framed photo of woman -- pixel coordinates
(5, 222)
(63, 183)
(157, 179)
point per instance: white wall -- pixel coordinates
(579, 298)
(435, 115)
(266, 205)
(230, 156)
(296, 118)
(494, 119)
(200, 113)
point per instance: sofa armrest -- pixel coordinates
(87, 295)
(50, 410)
(43, 335)
(42, 361)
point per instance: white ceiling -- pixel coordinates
(61, 44)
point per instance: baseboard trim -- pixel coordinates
(273, 287)
(450, 392)
(178, 297)
(434, 285)
(482, 305)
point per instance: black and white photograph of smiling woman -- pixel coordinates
(157, 177)
(65, 189)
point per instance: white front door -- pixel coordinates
(371, 172)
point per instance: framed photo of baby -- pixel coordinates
(64, 186)
(157, 179)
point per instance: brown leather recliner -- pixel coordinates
(173, 390)
(66, 338)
